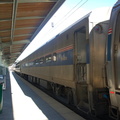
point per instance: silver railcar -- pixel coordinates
(113, 61)
(73, 63)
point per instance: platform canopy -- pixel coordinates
(20, 22)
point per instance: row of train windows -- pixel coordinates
(47, 59)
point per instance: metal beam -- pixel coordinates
(22, 35)
(25, 28)
(10, 55)
(21, 42)
(10, 59)
(4, 20)
(15, 5)
(5, 37)
(34, 17)
(17, 53)
(33, 1)
(29, 1)
(16, 36)
(6, 2)
(23, 18)
(14, 43)
(7, 30)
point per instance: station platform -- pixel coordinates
(23, 101)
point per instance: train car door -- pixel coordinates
(81, 67)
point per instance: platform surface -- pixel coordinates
(23, 101)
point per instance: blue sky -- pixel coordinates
(69, 12)
(92, 4)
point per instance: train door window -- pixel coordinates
(80, 43)
(54, 57)
(117, 52)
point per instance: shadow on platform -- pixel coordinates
(49, 112)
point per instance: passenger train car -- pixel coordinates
(81, 64)
(113, 61)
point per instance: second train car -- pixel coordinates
(113, 61)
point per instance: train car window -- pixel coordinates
(42, 60)
(117, 52)
(26, 64)
(48, 58)
(31, 63)
(54, 57)
(37, 62)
